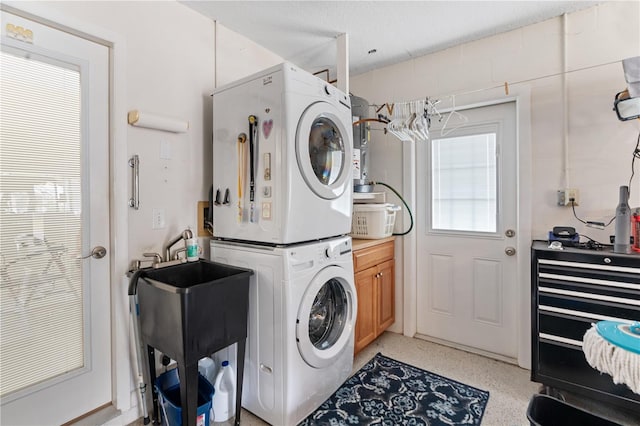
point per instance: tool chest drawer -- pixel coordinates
(570, 290)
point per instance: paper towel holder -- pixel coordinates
(147, 120)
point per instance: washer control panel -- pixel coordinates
(335, 249)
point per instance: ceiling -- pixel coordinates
(304, 32)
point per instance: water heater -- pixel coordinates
(361, 138)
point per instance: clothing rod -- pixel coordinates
(507, 84)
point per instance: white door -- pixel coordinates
(55, 350)
(467, 183)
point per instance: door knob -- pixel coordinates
(510, 251)
(98, 252)
(510, 233)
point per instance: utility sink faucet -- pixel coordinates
(184, 235)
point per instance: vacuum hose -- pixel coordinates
(403, 202)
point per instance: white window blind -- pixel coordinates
(464, 183)
(42, 318)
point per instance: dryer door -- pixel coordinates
(326, 317)
(324, 149)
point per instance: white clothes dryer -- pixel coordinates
(302, 312)
(286, 177)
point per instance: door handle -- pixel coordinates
(98, 252)
(134, 201)
(510, 251)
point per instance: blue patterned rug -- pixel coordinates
(389, 392)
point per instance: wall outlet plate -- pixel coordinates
(565, 196)
(158, 221)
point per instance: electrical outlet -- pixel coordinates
(158, 219)
(566, 195)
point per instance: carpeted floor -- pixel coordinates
(389, 392)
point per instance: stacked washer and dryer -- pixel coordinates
(282, 152)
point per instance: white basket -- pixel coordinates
(373, 221)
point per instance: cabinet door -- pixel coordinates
(366, 320)
(385, 293)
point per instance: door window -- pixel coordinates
(40, 220)
(328, 315)
(326, 150)
(464, 183)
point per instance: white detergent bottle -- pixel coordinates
(224, 396)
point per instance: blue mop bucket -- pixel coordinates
(168, 388)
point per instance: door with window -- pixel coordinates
(55, 352)
(467, 275)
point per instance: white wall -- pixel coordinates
(238, 57)
(600, 146)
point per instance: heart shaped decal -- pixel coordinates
(267, 125)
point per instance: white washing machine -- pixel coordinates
(302, 312)
(294, 163)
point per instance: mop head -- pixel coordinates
(621, 364)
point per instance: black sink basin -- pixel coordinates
(191, 310)
(184, 277)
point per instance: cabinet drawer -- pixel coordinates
(370, 256)
(593, 309)
(563, 325)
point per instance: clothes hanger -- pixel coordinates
(453, 111)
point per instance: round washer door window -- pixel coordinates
(324, 327)
(324, 150)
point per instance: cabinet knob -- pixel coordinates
(607, 260)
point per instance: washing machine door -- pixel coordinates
(326, 317)
(324, 149)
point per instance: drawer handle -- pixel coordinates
(559, 339)
(594, 296)
(587, 315)
(607, 260)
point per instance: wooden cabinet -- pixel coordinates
(374, 278)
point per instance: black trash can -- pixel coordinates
(544, 410)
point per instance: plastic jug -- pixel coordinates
(225, 391)
(207, 367)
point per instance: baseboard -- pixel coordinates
(470, 349)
